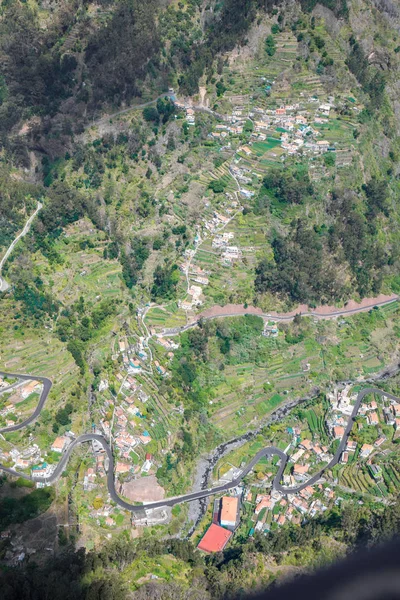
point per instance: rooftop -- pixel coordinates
(215, 539)
(229, 507)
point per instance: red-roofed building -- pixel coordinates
(338, 432)
(215, 539)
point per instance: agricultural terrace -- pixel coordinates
(242, 373)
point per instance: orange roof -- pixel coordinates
(122, 467)
(338, 431)
(215, 539)
(373, 417)
(281, 519)
(229, 509)
(300, 469)
(59, 442)
(307, 444)
(265, 503)
(29, 387)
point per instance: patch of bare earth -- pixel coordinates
(145, 489)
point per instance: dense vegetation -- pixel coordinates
(27, 507)
(223, 575)
(307, 261)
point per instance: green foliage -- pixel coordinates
(297, 269)
(376, 192)
(329, 159)
(133, 262)
(151, 114)
(372, 81)
(77, 349)
(270, 46)
(165, 281)
(291, 186)
(114, 74)
(27, 507)
(217, 186)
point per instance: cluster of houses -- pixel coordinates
(280, 509)
(31, 458)
(272, 508)
(189, 112)
(9, 407)
(296, 124)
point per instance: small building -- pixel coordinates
(60, 443)
(229, 512)
(122, 468)
(300, 471)
(306, 444)
(373, 418)
(366, 450)
(215, 539)
(28, 388)
(375, 471)
(380, 441)
(351, 446)
(338, 432)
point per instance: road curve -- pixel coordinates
(268, 451)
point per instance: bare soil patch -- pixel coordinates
(145, 489)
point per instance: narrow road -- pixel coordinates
(279, 317)
(106, 118)
(123, 111)
(269, 451)
(3, 284)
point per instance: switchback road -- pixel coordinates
(269, 451)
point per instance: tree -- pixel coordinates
(270, 46)
(217, 186)
(150, 114)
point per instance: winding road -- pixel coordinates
(269, 451)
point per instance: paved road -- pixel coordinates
(283, 317)
(42, 400)
(269, 451)
(3, 284)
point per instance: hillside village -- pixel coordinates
(257, 507)
(261, 509)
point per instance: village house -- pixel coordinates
(266, 502)
(122, 468)
(366, 450)
(60, 444)
(380, 441)
(338, 432)
(351, 446)
(373, 418)
(9, 408)
(300, 472)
